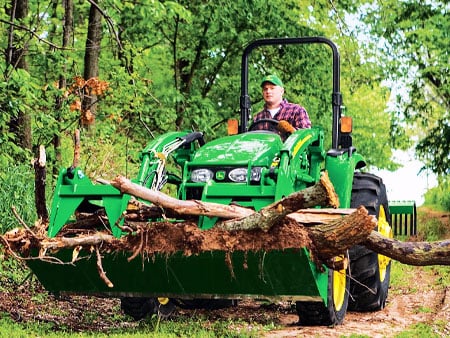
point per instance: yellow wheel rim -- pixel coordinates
(339, 286)
(384, 229)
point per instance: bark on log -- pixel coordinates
(339, 235)
(190, 207)
(411, 253)
(320, 194)
(56, 243)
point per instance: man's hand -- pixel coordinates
(285, 127)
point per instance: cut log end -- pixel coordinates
(333, 199)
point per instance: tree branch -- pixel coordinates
(34, 34)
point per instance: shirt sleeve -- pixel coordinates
(295, 114)
(301, 118)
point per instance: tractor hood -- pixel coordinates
(257, 147)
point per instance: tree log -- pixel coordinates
(334, 238)
(411, 253)
(324, 240)
(190, 207)
(320, 194)
(318, 216)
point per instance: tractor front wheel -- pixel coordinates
(140, 307)
(333, 312)
(370, 271)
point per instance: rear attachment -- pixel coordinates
(404, 217)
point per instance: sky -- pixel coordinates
(406, 183)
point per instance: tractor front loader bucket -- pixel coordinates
(404, 217)
(287, 274)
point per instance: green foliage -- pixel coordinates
(365, 105)
(432, 230)
(443, 272)
(437, 142)
(415, 47)
(18, 93)
(185, 328)
(439, 197)
(16, 189)
(176, 65)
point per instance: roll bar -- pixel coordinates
(245, 104)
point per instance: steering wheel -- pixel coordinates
(272, 122)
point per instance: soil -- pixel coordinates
(421, 299)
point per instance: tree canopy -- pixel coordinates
(414, 42)
(166, 65)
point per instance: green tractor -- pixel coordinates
(251, 168)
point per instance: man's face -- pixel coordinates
(272, 94)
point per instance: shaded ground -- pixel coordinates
(406, 306)
(421, 299)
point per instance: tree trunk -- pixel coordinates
(20, 123)
(91, 57)
(39, 185)
(67, 39)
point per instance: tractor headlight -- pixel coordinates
(201, 175)
(239, 175)
(256, 174)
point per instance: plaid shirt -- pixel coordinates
(293, 113)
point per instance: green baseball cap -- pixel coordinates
(272, 79)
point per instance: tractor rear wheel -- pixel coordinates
(332, 313)
(141, 307)
(370, 271)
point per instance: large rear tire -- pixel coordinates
(332, 313)
(370, 271)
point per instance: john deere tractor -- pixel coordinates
(250, 168)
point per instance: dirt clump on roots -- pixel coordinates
(164, 238)
(189, 239)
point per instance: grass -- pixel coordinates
(431, 228)
(16, 189)
(12, 272)
(152, 327)
(402, 277)
(405, 277)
